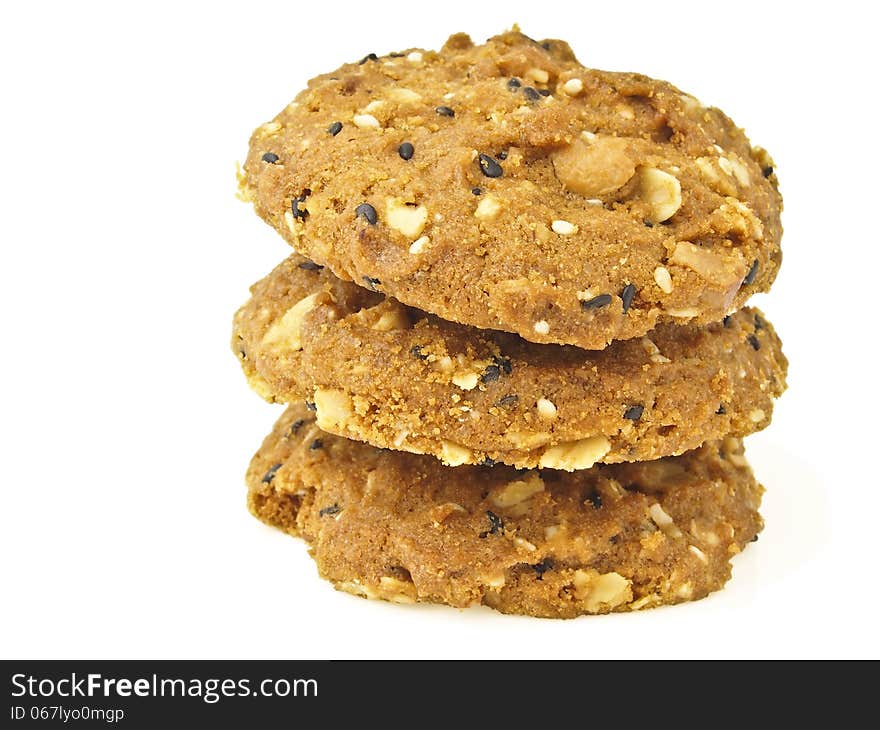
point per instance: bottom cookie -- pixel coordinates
(405, 528)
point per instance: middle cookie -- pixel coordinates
(377, 371)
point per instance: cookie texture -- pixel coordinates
(405, 528)
(393, 376)
(507, 187)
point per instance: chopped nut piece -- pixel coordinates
(397, 591)
(663, 279)
(333, 408)
(406, 219)
(756, 415)
(661, 191)
(516, 494)
(546, 409)
(466, 381)
(285, 332)
(574, 455)
(394, 318)
(488, 208)
(601, 590)
(594, 168)
(453, 454)
(653, 351)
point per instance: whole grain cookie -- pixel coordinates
(395, 377)
(405, 528)
(505, 186)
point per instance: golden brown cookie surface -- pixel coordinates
(506, 186)
(390, 375)
(405, 528)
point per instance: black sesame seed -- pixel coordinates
(648, 224)
(514, 83)
(367, 212)
(368, 57)
(445, 111)
(501, 155)
(372, 282)
(296, 425)
(508, 400)
(754, 539)
(316, 444)
(634, 413)
(753, 272)
(270, 475)
(603, 300)
(477, 191)
(531, 93)
(406, 151)
(333, 509)
(310, 266)
(726, 321)
(298, 212)
(721, 410)
(489, 167)
(311, 406)
(753, 341)
(627, 295)
(542, 567)
(493, 372)
(595, 499)
(544, 92)
(496, 524)
(396, 55)
(334, 128)
(416, 350)
(759, 322)
(504, 363)
(767, 172)
(270, 157)
(546, 45)
(488, 461)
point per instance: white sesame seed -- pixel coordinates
(663, 279)
(699, 553)
(573, 87)
(538, 75)
(365, 121)
(414, 57)
(658, 514)
(546, 409)
(374, 105)
(563, 228)
(756, 416)
(419, 244)
(542, 327)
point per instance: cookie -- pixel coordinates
(395, 377)
(405, 528)
(507, 187)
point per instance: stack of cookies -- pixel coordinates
(513, 337)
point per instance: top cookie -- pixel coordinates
(506, 186)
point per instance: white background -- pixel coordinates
(127, 425)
